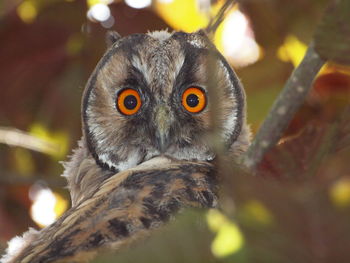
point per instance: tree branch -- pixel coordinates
(19, 138)
(215, 22)
(285, 107)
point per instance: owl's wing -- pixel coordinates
(124, 207)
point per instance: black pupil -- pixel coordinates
(192, 100)
(130, 102)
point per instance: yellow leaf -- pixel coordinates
(61, 204)
(59, 139)
(292, 50)
(27, 11)
(95, 2)
(340, 192)
(23, 161)
(182, 14)
(256, 212)
(228, 239)
(215, 220)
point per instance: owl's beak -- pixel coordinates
(163, 121)
(162, 142)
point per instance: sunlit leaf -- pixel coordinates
(340, 192)
(95, 2)
(182, 15)
(215, 220)
(228, 239)
(292, 50)
(27, 11)
(59, 138)
(186, 15)
(330, 67)
(24, 163)
(61, 204)
(255, 212)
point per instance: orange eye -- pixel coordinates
(129, 101)
(194, 100)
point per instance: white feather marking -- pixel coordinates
(196, 43)
(137, 63)
(160, 35)
(104, 158)
(17, 244)
(153, 163)
(230, 124)
(231, 121)
(178, 65)
(132, 161)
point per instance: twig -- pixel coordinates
(19, 138)
(219, 17)
(284, 108)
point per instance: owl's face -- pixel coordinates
(149, 96)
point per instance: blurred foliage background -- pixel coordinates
(298, 212)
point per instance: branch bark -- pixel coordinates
(288, 102)
(19, 138)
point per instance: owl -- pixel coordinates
(150, 95)
(153, 112)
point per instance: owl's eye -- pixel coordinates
(128, 101)
(194, 99)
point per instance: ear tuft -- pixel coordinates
(112, 37)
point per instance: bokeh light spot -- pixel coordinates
(109, 22)
(27, 11)
(24, 162)
(58, 138)
(228, 239)
(47, 206)
(292, 50)
(95, 2)
(99, 12)
(256, 212)
(182, 15)
(138, 3)
(340, 192)
(165, 1)
(74, 44)
(235, 39)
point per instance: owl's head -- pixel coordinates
(149, 96)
